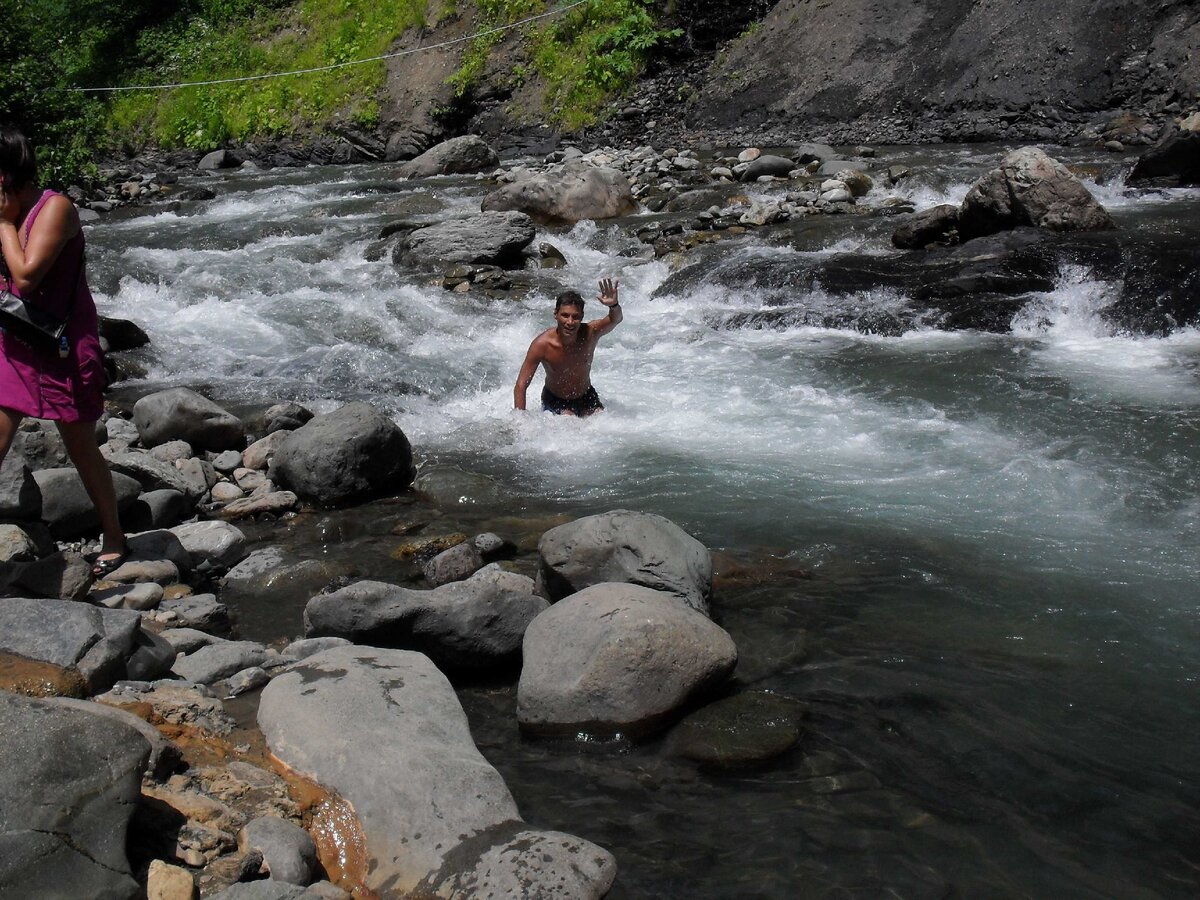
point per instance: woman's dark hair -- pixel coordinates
(569, 298)
(18, 162)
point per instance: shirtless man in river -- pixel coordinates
(565, 351)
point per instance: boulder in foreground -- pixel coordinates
(618, 658)
(385, 730)
(353, 453)
(68, 787)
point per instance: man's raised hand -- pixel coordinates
(608, 292)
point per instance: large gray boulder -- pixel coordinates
(385, 730)
(617, 658)
(68, 788)
(351, 454)
(474, 623)
(1030, 188)
(182, 414)
(457, 156)
(567, 194)
(625, 546)
(493, 238)
(96, 642)
(66, 506)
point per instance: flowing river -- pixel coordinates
(971, 557)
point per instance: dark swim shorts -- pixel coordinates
(583, 405)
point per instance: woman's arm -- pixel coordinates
(56, 224)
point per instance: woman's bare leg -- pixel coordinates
(80, 440)
(9, 420)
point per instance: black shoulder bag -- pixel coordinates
(29, 323)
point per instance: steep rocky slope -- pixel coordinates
(967, 69)
(844, 70)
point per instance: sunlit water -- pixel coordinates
(998, 644)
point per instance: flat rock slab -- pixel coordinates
(217, 543)
(68, 787)
(474, 623)
(617, 659)
(625, 546)
(385, 730)
(94, 641)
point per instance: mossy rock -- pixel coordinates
(743, 730)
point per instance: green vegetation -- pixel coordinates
(306, 35)
(587, 56)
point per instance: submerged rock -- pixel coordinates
(617, 658)
(742, 730)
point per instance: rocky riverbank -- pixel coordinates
(363, 696)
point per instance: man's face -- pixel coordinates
(568, 318)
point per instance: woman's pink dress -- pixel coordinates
(42, 384)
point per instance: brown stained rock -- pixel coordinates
(274, 503)
(39, 679)
(427, 548)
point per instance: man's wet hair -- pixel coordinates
(569, 298)
(18, 162)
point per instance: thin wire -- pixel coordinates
(356, 62)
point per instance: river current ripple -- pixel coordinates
(998, 647)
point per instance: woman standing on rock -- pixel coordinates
(42, 244)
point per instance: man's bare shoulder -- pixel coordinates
(545, 340)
